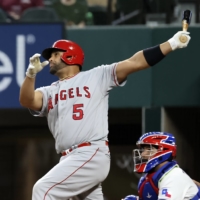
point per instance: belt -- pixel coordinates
(84, 144)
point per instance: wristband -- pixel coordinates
(30, 75)
(153, 55)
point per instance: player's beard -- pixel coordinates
(56, 67)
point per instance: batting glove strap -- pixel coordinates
(29, 74)
(173, 44)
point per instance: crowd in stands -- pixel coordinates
(15, 8)
(72, 12)
(75, 13)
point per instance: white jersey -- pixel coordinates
(176, 185)
(77, 108)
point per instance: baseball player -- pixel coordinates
(76, 107)
(163, 178)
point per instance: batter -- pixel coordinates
(76, 108)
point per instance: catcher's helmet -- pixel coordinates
(161, 147)
(73, 55)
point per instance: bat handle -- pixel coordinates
(185, 25)
(183, 38)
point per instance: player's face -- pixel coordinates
(144, 153)
(55, 62)
(147, 151)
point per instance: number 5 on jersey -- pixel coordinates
(78, 111)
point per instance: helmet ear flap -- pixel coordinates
(67, 58)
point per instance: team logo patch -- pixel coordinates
(166, 193)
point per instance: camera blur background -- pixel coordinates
(163, 98)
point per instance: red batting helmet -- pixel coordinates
(73, 54)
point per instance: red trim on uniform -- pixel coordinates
(80, 145)
(70, 174)
(116, 82)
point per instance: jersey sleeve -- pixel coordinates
(106, 74)
(176, 184)
(44, 110)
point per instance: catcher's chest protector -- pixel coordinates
(148, 184)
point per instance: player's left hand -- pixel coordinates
(131, 197)
(175, 42)
(35, 65)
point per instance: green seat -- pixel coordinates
(39, 14)
(3, 16)
(48, 2)
(157, 6)
(99, 14)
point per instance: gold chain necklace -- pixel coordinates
(67, 77)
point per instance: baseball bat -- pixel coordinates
(187, 15)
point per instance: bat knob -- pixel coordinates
(187, 15)
(183, 39)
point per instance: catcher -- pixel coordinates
(163, 178)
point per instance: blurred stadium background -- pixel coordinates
(163, 98)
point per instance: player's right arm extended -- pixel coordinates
(28, 97)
